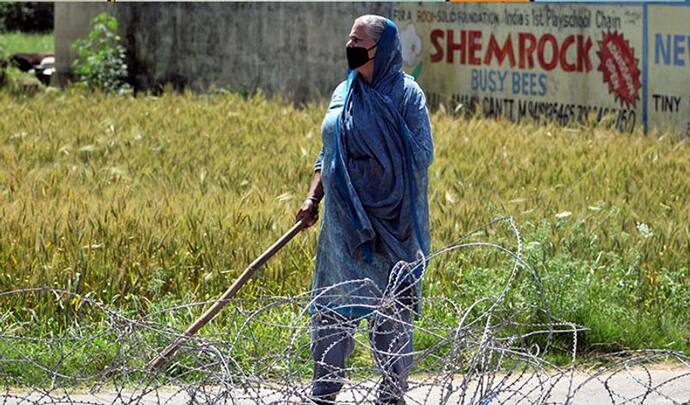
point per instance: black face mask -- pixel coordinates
(357, 56)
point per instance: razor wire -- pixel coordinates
(493, 351)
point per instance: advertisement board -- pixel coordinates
(668, 67)
(556, 62)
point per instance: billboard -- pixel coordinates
(551, 62)
(668, 62)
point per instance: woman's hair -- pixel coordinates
(374, 25)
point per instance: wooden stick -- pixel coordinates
(229, 293)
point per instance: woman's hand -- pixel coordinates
(309, 212)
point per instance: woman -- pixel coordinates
(372, 175)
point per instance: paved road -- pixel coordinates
(672, 386)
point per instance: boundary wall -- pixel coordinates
(295, 49)
(545, 61)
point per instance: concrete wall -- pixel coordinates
(71, 22)
(635, 56)
(289, 48)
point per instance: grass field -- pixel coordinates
(150, 200)
(21, 42)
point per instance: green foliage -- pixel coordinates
(26, 16)
(101, 61)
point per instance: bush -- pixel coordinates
(26, 17)
(101, 57)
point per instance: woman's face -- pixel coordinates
(359, 38)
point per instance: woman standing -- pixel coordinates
(372, 176)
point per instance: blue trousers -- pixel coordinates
(390, 334)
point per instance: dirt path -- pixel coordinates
(667, 386)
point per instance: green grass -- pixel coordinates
(21, 42)
(147, 201)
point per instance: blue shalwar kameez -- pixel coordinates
(377, 146)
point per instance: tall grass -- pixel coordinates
(138, 201)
